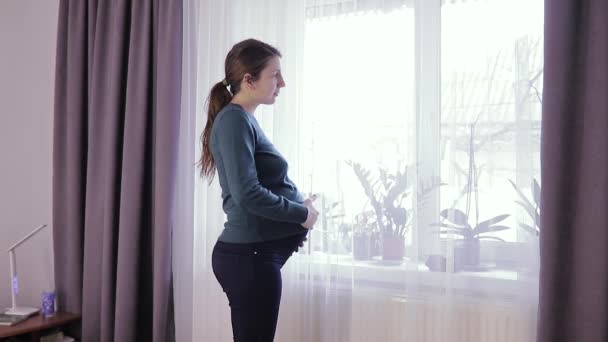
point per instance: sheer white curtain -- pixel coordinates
(183, 225)
(435, 109)
(220, 25)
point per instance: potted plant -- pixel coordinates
(386, 195)
(466, 251)
(456, 221)
(365, 236)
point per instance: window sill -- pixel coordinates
(412, 279)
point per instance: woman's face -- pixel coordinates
(266, 89)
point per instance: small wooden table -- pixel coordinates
(35, 326)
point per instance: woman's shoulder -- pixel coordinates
(232, 114)
(233, 119)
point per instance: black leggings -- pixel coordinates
(250, 275)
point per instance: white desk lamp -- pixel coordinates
(19, 310)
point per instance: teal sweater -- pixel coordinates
(260, 200)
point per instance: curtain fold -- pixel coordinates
(117, 115)
(574, 258)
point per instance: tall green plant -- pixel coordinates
(459, 222)
(386, 195)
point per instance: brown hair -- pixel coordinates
(247, 57)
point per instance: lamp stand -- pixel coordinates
(18, 310)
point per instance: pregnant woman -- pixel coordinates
(267, 217)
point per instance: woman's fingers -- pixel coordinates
(313, 213)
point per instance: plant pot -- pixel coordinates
(393, 247)
(436, 263)
(362, 246)
(466, 253)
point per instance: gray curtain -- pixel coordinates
(574, 210)
(117, 102)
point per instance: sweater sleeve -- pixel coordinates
(235, 140)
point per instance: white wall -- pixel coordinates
(28, 31)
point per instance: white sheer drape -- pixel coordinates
(183, 225)
(405, 89)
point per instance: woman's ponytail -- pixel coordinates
(219, 97)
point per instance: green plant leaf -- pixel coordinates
(525, 207)
(399, 216)
(384, 177)
(523, 197)
(490, 238)
(536, 192)
(485, 224)
(529, 229)
(456, 216)
(491, 229)
(531, 212)
(445, 225)
(397, 188)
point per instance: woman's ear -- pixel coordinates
(247, 81)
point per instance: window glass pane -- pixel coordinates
(358, 110)
(491, 87)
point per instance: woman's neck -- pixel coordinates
(248, 105)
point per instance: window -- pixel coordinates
(395, 100)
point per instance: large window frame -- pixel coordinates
(428, 94)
